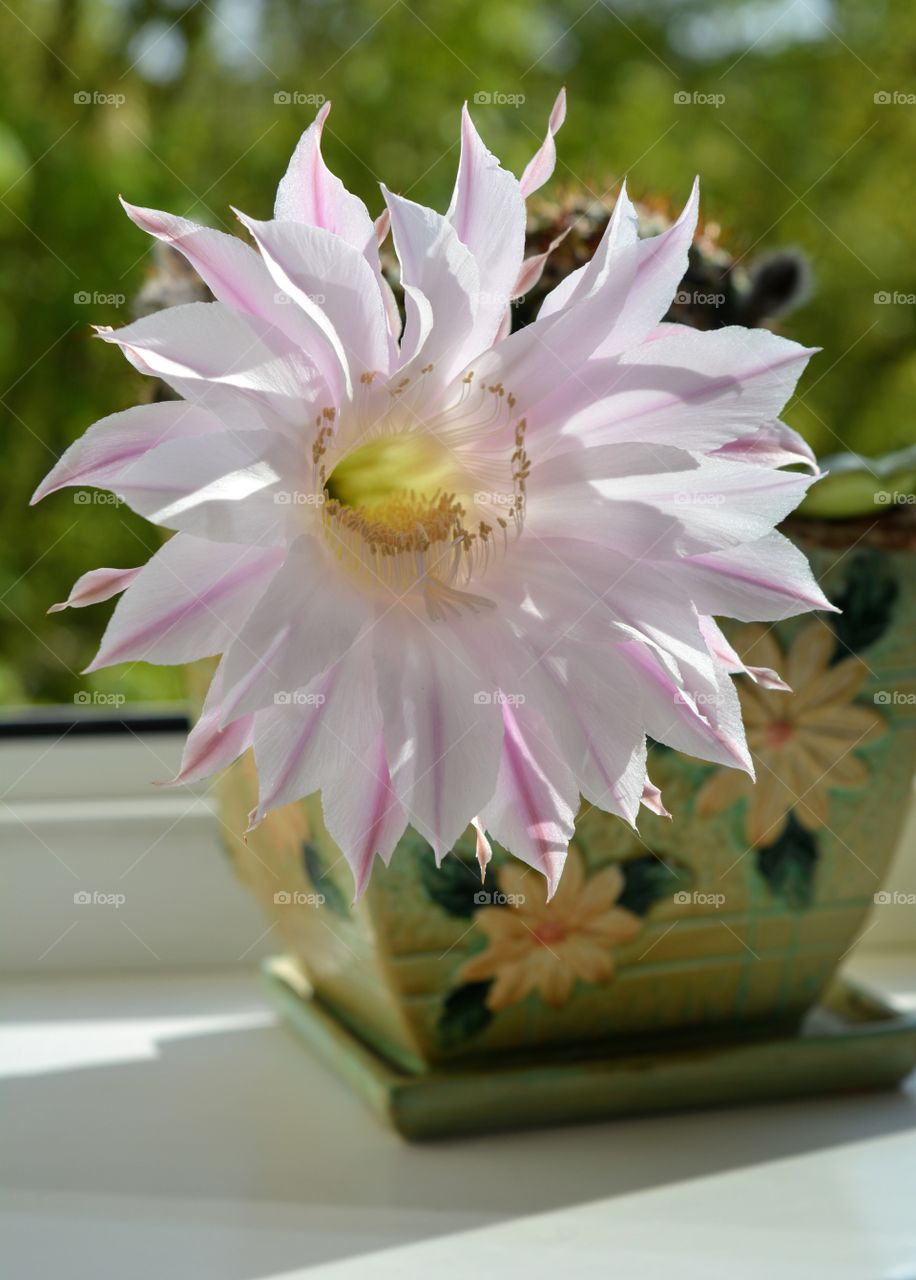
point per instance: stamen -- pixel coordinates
(427, 538)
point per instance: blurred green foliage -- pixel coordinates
(183, 113)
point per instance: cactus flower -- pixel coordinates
(454, 573)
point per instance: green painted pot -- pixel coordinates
(734, 913)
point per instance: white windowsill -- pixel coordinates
(159, 1121)
(166, 1125)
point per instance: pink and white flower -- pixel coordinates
(455, 574)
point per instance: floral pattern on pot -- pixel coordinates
(803, 739)
(541, 954)
(536, 947)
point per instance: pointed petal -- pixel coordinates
(95, 586)
(616, 253)
(764, 580)
(774, 445)
(484, 849)
(700, 390)
(541, 165)
(700, 723)
(231, 269)
(362, 812)
(188, 602)
(618, 299)
(211, 746)
(723, 652)
(532, 813)
(720, 504)
(652, 800)
(441, 283)
(333, 284)
(237, 366)
(225, 487)
(488, 213)
(100, 455)
(533, 268)
(309, 193)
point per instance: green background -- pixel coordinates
(798, 153)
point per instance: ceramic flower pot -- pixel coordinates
(736, 912)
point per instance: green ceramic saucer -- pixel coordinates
(852, 1040)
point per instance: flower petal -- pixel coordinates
(211, 746)
(533, 811)
(333, 285)
(187, 602)
(363, 814)
(95, 586)
(540, 167)
(310, 734)
(239, 367)
(309, 193)
(101, 454)
(697, 390)
(614, 255)
(236, 487)
(441, 281)
(702, 724)
(307, 619)
(720, 504)
(487, 211)
(443, 742)
(773, 445)
(767, 579)
(723, 652)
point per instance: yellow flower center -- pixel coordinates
(402, 513)
(416, 511)
(395, 493)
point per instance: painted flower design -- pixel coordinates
(547, 947)
(453, 573)
(803, 742)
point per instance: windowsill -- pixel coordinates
(165, 1124)
(160, 1121)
